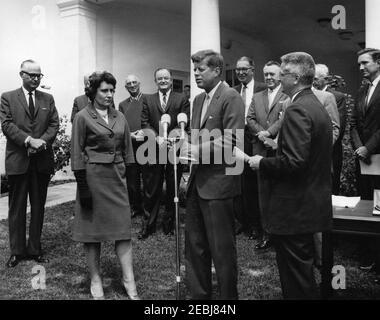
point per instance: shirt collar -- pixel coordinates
(275, 90)
(250, 84)
(212, 92)
(26, 92)
(167, 94)
(137, 98)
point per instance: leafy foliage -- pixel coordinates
(61, 146)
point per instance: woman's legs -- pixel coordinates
(93, 262)
(123, 250)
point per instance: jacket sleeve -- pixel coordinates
(355, 138)
(295, 144)
(145, 116)
(78, 139)
(332, 110)
(9, 128)
(74, 111)
(275, 127)
(253, 125)
(128, 149)
(53, 126)
(341, 104)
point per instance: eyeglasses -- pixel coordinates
(37, 76)
(283, 74)
(243, 70)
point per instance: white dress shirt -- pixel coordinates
(248, 94)
(372, 88)
(161, 95)
(271, 95)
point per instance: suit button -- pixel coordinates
(111, 152)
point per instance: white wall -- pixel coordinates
(31, 30)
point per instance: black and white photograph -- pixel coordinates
(190, 150)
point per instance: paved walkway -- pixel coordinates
(56, 195)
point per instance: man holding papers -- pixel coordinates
(297, 200)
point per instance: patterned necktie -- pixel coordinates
(31, 104)
(163, 105)
(244, 93)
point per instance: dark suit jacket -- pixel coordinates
(341, 105)
(152, 112)
(225, 111)
(17, 124)
(297, 195)
(132, 110)
(260, 118)
(80, 103)
(257, 87)
(95, 141)
(365, 126)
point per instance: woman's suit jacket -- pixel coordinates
(95, 141)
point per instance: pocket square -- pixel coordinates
(210, 117)
(44, 108)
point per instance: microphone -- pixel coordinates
(165, 120)
(182, 121)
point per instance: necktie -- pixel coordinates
(244, 93)
(368, 95)
(31, 104)
(205, 107)
(163, 106)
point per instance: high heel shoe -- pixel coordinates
(131, 293)
(96, 290)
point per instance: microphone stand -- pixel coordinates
(173, 142)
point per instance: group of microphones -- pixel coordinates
(181, 120)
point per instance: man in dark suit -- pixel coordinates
(30, 123)
(365, 134)
(320, 83)
(209, 227)
(132, 108)
(246, 206)
(297, 195)
(154, 106)
(264, 121)
(81, 101)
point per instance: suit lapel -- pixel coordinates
(266, 101)
(374, 96)
(158, 103)
(39, 102)
(100, 121)
(197, 111)
(22, 100)
(212, 104)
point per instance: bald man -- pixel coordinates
(131, 108)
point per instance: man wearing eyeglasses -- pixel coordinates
(297, 200)
(247, 206)
(30, 122)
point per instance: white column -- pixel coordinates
(205, 32)
(372, 24)
(78, 46)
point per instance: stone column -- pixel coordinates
(205, 32)
(78, 50)
(372, 23)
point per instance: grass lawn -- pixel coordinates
(154, 265)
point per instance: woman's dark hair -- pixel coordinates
(96, 79)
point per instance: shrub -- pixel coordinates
(61, 145)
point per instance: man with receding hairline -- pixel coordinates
(30, 122)
(297, 200)
(132, 108)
